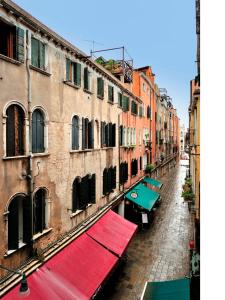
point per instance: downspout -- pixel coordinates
(30, 180)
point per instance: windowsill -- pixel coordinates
(41, 154)
(69, 83)
(133, 114)
(44, 232)
(40, 70)
(14, 157)
(100, 97)
(84, 150)
(11, 60)
(79, 211)
(110, 102)
(106, 148)
(87, 91)
(9, 252)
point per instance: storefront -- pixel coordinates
(140, 204)
(80, 269)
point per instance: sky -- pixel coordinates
(158, 33)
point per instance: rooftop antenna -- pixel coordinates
(93, 45)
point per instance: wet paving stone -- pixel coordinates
(160, 252)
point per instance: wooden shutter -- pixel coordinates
(20, 44)
(102, 88)
(126, 172)
(113, 135)
(27, 232)
(41, 55)
(92, 189)
(107, 135)
(40, 132)
(120, 99)
(76, 195)
(10, 131)
(19, 130)
(84, 192)
(105, 181)
(34, 52)
(91, 134)
(114, 178)
(110, 93)
(83, 133)
(13, 225)
(102, 134)
(68, 69)
(75, 133)
(77, 74)
(34, 132)
(110, 135)
(86, 81)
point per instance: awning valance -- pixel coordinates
(143, 196)
(153, 182)
(75, 273)
(113, 232)
(178, 289)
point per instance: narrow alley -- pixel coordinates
(161, 252)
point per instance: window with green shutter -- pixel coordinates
(134, 107)
(100, 87)
(11, 41)
(68, 70)
(111, 93)
(125, 103)
(37, 53)
(120, 99)
(77, 73)
(86, 79)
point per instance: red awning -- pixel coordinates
(113, 231)
(76, 273)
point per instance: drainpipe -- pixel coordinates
(30, 180)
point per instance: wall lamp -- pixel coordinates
(24, 289)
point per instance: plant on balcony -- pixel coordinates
(148, 169)
(188, 195)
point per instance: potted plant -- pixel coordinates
(148, 169)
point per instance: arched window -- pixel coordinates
(75, 133)
(15, 130)
(39, 211)
(38, 126)
(19, 222)
(84, 192)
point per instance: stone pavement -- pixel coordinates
(160, 252)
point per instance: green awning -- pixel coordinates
(142, 196)
(178, 289)
(153, 182)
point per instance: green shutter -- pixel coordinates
(100, 87)
(86, 81)
(110, 93)
(19, 44)
(105, 181)
(77, 74)
(68, 69)
(92, 187)
(34, 52)
(114, 178)
(120, 99)
(125, 103)
(42, 55)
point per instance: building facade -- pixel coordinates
(73, 136)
